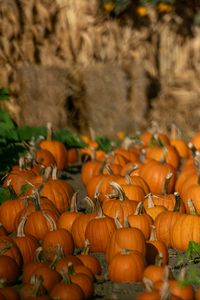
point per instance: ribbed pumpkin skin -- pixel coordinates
(164, 223)
(59, 192)
(8, 212)
(186, 229)
(154, 173)
(40, 222)
(99, 231)
(125, 238)
(126, 267)
(52, 239)
(58, 150)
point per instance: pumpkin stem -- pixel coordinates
(120, 192)
(139, 208)
(182, 274)
(98, 207)
(102, 166)
(50, 220)
(192, 209)
(59, 255)
(166, 183)
(131, 169)
(148, 284)
(65, 276)
(177, 202)
(164, 154)
(193, 149)
(70, 269)
(159, 259)
(153, 236)
(55, 173)
(86, 247)
(20, 228)
(117, 222)
(90, 205)
(108, 168)
(37, 282)
(49, 131)
(150, 200)
(73, 204)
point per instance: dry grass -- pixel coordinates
(70, 33)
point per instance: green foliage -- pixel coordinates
(4, 94)
(189, 260)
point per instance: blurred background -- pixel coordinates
(109, 65)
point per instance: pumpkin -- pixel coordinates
(63, 262)
(141, 220)
(10, 293)
(180, 145)
(9, 248)
(118, 204)
(151, 209)
(89, 168)
(56, 148)
(9, 209)
(9, 270)
(90, 261)
(168, 153)
(125, 238)
(45, 158)
(67, 290)
(79, 225)
(185, 229)
(67, 218)
(52, 239)
(156, 272)
(169, 201)
(83, 280)
(33, 289)
(84, 270)
(155, 247)
(27, 244)
(126, 266)
(49, 276)
(39, 222)
(164, 223)
(155, 172)
(72, 156)
(104, 226)
(59, 191)
(29, 269)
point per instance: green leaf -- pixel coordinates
(26, 133)
(6, 120)
(24, 189)
(193, 249)
(70, 139)
(4, 94)
(192, 276)
(104, 143)
(4, 194)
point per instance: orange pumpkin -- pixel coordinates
(126, 266)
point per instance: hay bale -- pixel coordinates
(104, 97)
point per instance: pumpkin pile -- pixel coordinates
(142, 199)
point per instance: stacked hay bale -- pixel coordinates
(66, 63)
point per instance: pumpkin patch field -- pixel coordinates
(102, 218)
